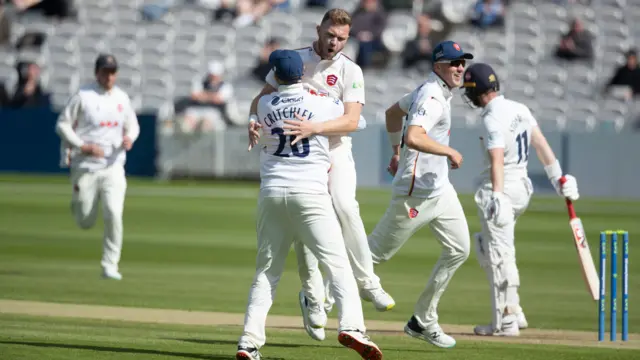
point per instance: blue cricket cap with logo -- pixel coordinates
(449, 51)
(287, 65)
(481, 78)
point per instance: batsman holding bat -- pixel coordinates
(505, 191)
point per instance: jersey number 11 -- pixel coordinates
(523, 146)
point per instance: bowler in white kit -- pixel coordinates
(504, 193)
(331, 73)
(295, 205)
(422, 194)
(97, 127)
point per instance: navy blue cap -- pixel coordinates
(449, 51)
(481, 77)
(287, 64)
(106, 61)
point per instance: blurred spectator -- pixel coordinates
(627, 75)
(318, 3)
(244, 13)
(488, 13)
(208, 107)
(261, 70)
(31, 40)
(367, 24)
(577, 44)
(417, 52)
(5, 26)
(59, 9)
(28, 91)
(156, 9)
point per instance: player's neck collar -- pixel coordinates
(293, 88)
(491, 104)
(101, 89)
(315, 52)
(443, 84)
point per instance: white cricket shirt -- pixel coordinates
(100, 117)
(420, 174)
(507, 125)
(305, 165)
(339, 77)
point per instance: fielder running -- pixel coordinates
(505, 191)
(332, 73)
(422, 193)
(295, 205)
(97, 127)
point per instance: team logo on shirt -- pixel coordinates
(413, 213)
(332, 79)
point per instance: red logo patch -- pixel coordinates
(413, 213)
(332, 80)
(456, 46)
(120, 107)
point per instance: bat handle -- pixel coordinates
(572, 211)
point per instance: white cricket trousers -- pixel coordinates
(495, 248)
(445, 217)
(109, 185)
(342, 187)
(285, 216)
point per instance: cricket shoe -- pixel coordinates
(111, 274)
(247, 353)
(380, 299)
(313, 317)
(522, 321)
(360, 343)
(433, 334)
(509, 328)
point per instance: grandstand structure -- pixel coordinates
(159, 60)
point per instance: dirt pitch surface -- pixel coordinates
(184, 317)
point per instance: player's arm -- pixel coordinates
(64, 128)
(393, 119)
(254, 124)
(344, 124)
(131, 128)
(552, 166)
(495, 147)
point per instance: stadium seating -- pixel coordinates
(159, 60)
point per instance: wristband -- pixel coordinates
(553, 170)
(395, 137)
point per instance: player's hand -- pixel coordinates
(567, 186)
(301, 129)
(455, 158)
(127, 143)
(254, 134)
(393, 165)
(499, 210)
(92, 150)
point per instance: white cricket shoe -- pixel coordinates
(509, 328)
(111, 274)
(433, 334)
(313, 317)
(360, 343)
(247, 353)
(380, 299)
(522, 321)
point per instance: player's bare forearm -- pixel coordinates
(344, 124)
(497, 169)
(543, 150)
(418, 139)
(393, 118)
(266, 90)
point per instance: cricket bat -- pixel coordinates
(582, 246)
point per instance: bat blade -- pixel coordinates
(584, 255)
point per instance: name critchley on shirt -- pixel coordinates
(286, 113)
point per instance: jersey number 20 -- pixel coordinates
(294, 148)
(523, 146)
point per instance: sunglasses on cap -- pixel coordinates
(454, 63)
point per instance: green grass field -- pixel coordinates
(192, 246)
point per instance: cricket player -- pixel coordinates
(295, 205)
(97, 127)
(331, 73)
(505, 191)
(422, 194)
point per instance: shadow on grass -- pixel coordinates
(120, 350)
